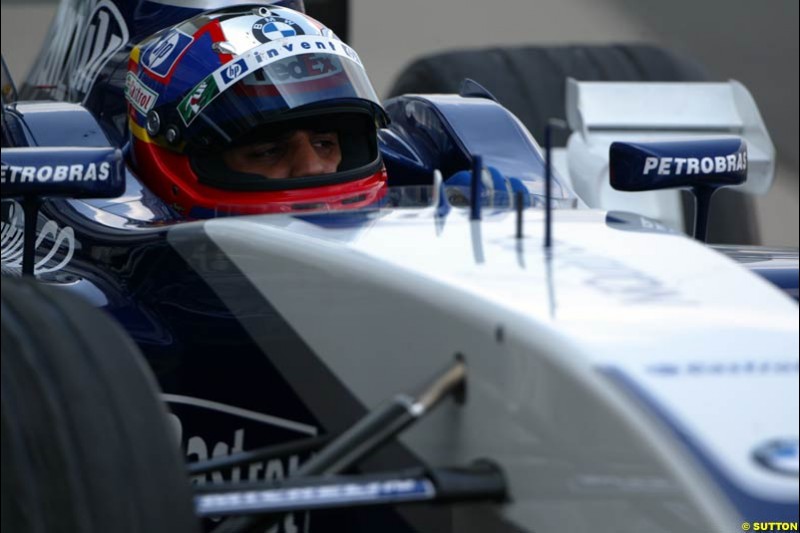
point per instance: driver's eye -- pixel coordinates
(267, 150)
(324, 144)
(325, 140)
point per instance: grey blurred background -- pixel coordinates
(753, 42)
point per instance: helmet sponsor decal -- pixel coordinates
(306, 68)
(234, 70)
(140, 96)
(160, 56)
(273, 28)
(257, 58)
(197, 100)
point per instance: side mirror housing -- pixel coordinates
(666, 165)
(702, 166)
(75, 172)
(33, 173)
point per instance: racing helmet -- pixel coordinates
(238, 77)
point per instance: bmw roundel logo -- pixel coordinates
(273, 28)
(779, 455)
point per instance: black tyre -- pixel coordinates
(86, 445)
(530, 81)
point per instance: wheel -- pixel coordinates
(85, 439)
(530, 81)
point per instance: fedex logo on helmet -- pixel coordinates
(665, 166)
(161, 56)
(305, 68)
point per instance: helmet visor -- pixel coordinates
(238, 97)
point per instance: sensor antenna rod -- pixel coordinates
(30, 205)
(548, 178)
(702, 202)
(475, 188)
(439, 202)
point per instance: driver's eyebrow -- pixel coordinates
(287, 135)
(275, 138)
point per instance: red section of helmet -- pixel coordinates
(170, 176)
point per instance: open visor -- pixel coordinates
(262, 85)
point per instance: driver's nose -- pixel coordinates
(305, 161)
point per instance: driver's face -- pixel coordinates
(296, 154)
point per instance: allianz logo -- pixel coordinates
(55, 246)
(200, 448)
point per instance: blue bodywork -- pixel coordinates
(751, 507)
(445, 132)
(777, 265)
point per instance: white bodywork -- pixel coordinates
(622, 381)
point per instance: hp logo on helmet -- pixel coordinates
(160, 57)
(161, 51)
(234, 71)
